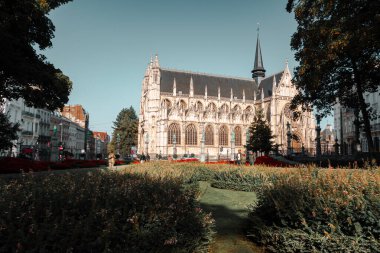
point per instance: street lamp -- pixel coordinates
(146, 143)
(118, 143)
(174, 146)
(289, 140)
(61, 131)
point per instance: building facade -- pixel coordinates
(43, 131)
(101, 142)
(344, 124)
(180, 110)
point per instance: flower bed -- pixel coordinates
(18, 165)
(269, 161)
(184, 160)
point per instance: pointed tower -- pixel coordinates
(218, 93)
(243, 96)
(258, 71)
(206, 92)
(232, 95)
(156, 63)
(174, 88)
(191, 93)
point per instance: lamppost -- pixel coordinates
(318, 139)
(146, 143)
(61, 131)
(203, 156)
(289, 139)
(232, 145)
(129, 140)
(246, 145)
(174, 146)
(118, 144)
(336, 145)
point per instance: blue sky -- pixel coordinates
(105, 46)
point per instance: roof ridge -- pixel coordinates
(207, 74)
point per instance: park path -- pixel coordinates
(229, 209)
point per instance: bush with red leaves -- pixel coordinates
(269, 161)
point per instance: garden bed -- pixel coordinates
(18, 165)
(101, 212)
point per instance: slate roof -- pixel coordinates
(267, 85)
(200, 80)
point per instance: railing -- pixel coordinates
(26, 113)
(27, 133)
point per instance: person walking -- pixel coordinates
(238, 157)
(111, 160)
(251, 157)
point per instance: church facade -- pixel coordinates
(181, 111)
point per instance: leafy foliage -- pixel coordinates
(338, 46)
(101, 212)
(125, 130)
(23, 72)
(8, 132)
(322, 211)
(260, 134)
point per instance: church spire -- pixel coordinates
(174, 88)
(206, 92)
(258, 71)
(191, 87)
(156, 63)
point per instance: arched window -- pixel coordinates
(223, 136)
(237, 108)
(199, 106)
(166, 104)
(174, 129)
(211, 107)
(238, 136)
(209, 135)
(224, 108)
(182, 105)
(191, 135)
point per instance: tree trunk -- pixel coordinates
(363, 110)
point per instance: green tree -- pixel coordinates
(23, 72)
(8, 132)
(261, 138)
(125, 130)
(337, 45)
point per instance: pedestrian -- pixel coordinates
(147, 157)
(142, 158)
(238, 157)
(111, 160)
(251, 157)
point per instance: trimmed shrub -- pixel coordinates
(101, 212)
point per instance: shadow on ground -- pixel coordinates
(229, 209)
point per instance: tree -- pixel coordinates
(125, 130)
(23, 72)
(8, 132)
(337, 44)
(260, 134)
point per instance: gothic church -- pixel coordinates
(179, 108)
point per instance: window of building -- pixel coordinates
(174, 129)
(238, 136)
(191, 135)
(223, 136)
(209, 135)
